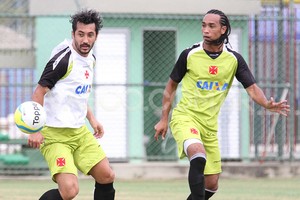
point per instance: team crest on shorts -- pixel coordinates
(60, 162)
(194, 131)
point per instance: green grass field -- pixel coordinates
(230, 189)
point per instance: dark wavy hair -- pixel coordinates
(224, 21)
(87, 17)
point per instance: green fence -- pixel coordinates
(136, 54)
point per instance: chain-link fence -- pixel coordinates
(274, 58)
(135, 56)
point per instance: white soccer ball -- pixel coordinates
(30, 117)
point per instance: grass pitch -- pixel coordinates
(30, 188)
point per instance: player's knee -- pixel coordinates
(107, 177)
(193, 146)
(212, 187)
(110, 177)
(212, 182)
(69, 195)
(69, 190)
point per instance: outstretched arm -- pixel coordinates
(168, 97)
(258, 96)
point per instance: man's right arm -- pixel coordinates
(168, 97)
(39, 93)
(36, 139)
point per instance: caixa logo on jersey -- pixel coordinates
(207, 85)
(82, 89)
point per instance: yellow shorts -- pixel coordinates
(67, 150)
(185, 127)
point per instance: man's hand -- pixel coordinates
(161, 128)
(98, 129)
(280, 107)
(35, 140)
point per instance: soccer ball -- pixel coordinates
(30, 117)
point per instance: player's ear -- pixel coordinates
(223, 29)
(72, 32)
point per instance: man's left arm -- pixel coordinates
(97, 126)
(259, 97)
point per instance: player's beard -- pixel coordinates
(79, 49)
(85, 49)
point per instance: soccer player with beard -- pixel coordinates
(206, 71)
(63, 89)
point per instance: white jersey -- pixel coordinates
(69, 77)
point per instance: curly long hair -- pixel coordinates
(87, 17)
